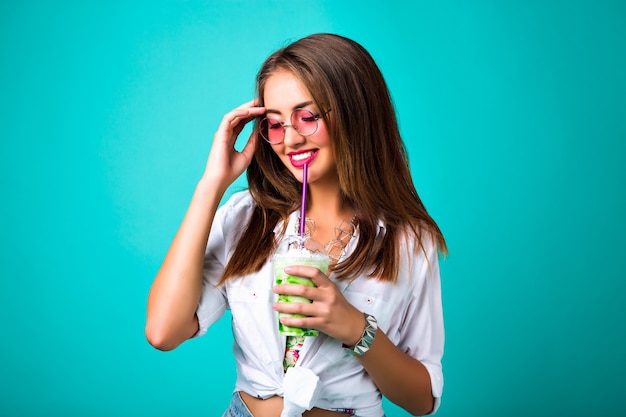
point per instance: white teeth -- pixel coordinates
(301, 156)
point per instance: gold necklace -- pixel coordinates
(335, 248)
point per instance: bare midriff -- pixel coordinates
(273, 406)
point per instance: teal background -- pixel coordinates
(514, 116)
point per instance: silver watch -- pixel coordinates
(366, 340)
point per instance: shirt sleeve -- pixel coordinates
(213, 299)
(423, 333)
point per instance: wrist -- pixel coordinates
(210, 187)
(356, 331)
(364, 343)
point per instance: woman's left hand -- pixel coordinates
(329, 312)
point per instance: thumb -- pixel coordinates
(250, 148)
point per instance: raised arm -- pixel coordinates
(175, 292)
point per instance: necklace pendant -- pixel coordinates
(344, 231)
(335, 248)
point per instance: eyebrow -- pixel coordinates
(297, 106)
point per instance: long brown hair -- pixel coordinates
(372, 162)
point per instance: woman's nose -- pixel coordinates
(292, 137)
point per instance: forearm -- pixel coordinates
(401, 378)
(175, 292)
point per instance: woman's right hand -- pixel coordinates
(225, 163)
(176, 290)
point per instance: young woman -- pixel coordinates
(323, 102)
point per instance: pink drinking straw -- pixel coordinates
(305, 172)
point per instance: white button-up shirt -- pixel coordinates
(409, 311)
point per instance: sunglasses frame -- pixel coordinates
(285, 125)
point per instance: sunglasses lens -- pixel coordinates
(271, 130)
(304, 122)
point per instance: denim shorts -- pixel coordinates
(237, 408)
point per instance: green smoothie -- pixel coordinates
(296, 257)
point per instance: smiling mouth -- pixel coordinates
(299, 159)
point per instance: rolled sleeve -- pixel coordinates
(423, 335)
(213, 299)
(212, 304)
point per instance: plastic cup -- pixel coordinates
(296, 256)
